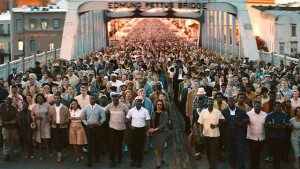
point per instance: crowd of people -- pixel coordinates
(121, 97)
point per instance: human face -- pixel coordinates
(139, 78)
(92, 100)
(54, 90)
(296, 94)
(40, 99)
(200, 101)
(159, 105)
(257, 107)
(142, 93)
(74, 105)
(219, 98)
(195, 85)
(278, 107)
(284, 84)
(14, 90)
(210, 103)
(128, 95)
(122, 99)
(29, 99)
(57, 99)
(138, 103)
(241, 99)
(115, 100)
(83, 91)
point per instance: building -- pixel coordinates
(37, 29)
(5, 37)
(278, 27)
(4, 5)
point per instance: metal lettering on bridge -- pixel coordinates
(151, 5)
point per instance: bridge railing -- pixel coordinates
(26, 63)
(275, 59)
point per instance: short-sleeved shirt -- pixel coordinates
(117, 115)
(277, 133)
(138, 117)
(207, 118)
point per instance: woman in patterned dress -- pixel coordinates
(42, 131)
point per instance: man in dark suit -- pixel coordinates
(236, 132)
(12, 76)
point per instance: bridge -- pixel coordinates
(225, 26)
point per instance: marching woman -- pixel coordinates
(42, 133)
(77, 135)
(158, 131)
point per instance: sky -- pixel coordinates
(285, 1)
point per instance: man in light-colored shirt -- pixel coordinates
(83, 99)
(139, 119)
(210, 120)
(117, 112)
(256, 133)
(94, 116)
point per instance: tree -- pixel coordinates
(261, 45)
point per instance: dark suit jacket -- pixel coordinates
(241, 132)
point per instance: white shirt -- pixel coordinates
(75, 113)
(138, 117)
(294, 103)
(206, 118)
(256, 128)
(83, 102)
(57, 109)
(232, 112)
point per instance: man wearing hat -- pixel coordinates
(9, 124)
(115, 82)
(116, 112)
(12, 76)
(139, 120)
